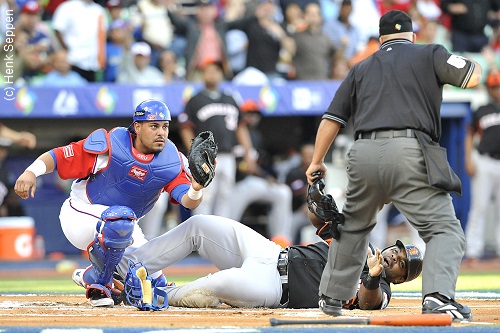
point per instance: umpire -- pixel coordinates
(394, 99)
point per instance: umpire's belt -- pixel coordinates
(387, 134)
(283, 270)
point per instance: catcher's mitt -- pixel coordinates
(201, 158)
(324, 207)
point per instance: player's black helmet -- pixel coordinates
(415, 260)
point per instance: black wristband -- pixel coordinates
(371, 282)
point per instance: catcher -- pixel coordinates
(256, 272)
(119, 176)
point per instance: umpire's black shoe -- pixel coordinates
(330, 306)
(437, 303)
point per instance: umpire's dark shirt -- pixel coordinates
(398, 87)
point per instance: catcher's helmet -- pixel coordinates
(415, 260)
(150, 110)
(118, 213)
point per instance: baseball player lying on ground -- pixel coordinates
(256, 272)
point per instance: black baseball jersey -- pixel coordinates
(305, 267)
(214, 111)
(399, 87)
(486, 122)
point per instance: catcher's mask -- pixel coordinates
(150, 110)
(323, 206)
(415, 259)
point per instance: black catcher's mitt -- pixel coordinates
(324, 207)
(201, 158)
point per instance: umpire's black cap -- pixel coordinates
(394, 22)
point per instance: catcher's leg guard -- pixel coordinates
(106, 251)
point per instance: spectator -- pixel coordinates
(80, 26)
(115, 8)
(293, 19)
(49, 9)
(297, 181)
(212, 109)
(267, 40)
(385, 6)
(155, 26)
(119, 39)
(484, 169)
(25, 59)
(168, 65)
(261, 185)
(61, 74)
(314, 52)
(365, 15)
(429, 9)
(39, 38)
(342, 33)
(135, 67)
(468, 20)
(205, 39)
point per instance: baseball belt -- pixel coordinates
(388, 134)
(283, 270)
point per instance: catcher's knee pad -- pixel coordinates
(142, 291)
(105, 252)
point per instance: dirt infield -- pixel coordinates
(62, 310)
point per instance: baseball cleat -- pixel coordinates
(99, 296)
(77, 277)
(330, 306)
(437, 303)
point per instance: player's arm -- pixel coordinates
(184, 189)
(370, 294)
(26, 183)
(470, 167)
(244, 139)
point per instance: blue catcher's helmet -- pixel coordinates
(150, 110)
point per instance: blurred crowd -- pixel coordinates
(153, 42)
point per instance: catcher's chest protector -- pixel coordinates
(129, 182)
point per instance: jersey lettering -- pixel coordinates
(457, 61)
(68, 151)
(218, 109)
(490, 120)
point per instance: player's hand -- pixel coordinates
(26, 185)
(375, 262)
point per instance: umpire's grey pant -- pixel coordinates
(380, 171)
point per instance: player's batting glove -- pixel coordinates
(201, 158)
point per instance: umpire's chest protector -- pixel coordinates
(129, 182)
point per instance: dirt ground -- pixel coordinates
(62, 310)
